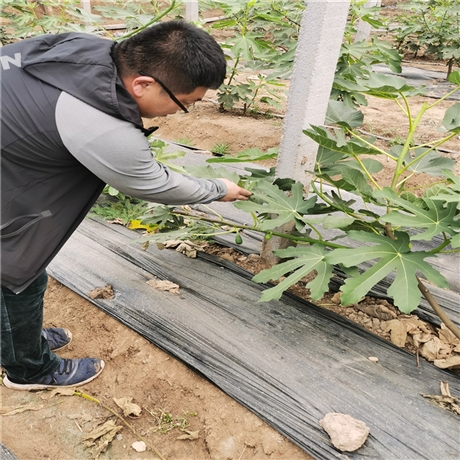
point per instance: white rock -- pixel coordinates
(347, 434)
(139, 446)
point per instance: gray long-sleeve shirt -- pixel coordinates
(116, 151)
(68, 126)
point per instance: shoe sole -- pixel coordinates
(35, 386)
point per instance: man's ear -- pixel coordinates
(137, 86)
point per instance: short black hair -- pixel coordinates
(183, 56)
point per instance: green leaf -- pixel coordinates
(185, 233)
(451, 119)
(112, 191)
(245, 46)
(326, 157)
(388, 86)
(159, 214)
(392, 255)
(432, 163)
(305, 260)
(254, 154)
(326, 140)
(358, 181)
(340, 114)
(330, 221)
(434, 220)
(208, 172)
(455, 241)
(454, 77)
(270, 200)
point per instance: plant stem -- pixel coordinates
(437, 308)
(383, 152)
(272, 232)
(444, 97)
(91, 398)
(433, 147)
(155, 19)
(412, 127)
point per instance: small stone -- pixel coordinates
(347, 433)
(139, 446)
(374, 359)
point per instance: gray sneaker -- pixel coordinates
(57, 337)
(70, 373)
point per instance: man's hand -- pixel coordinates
(234, 192)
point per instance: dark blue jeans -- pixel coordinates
(25, 354)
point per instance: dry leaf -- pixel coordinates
(446, 402)
(184, 247)
(187, 250)
(19, 409)
(447, 336)
(108, 428)
(377, 311)
(421, 337)
(129, 408)
(139, 446)
(116, 221)
(100, 438)
(435, 349)
(414, 324)
(190, 435)
(58, 391)
(164, 285)
(445, 391)
(336, 298)
(398, 332)
(452, 362)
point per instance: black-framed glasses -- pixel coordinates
(168, 91)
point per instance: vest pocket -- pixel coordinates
(20, 224)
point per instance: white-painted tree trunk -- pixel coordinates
(321, 35)
(363, 31)
(86, 5)
(191, 10)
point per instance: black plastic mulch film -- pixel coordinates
(288, 361)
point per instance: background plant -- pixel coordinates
(431, 28)
(25, 18)
(263, 40)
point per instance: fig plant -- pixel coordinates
(374, 224)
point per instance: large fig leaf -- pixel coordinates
(269, 199)
(433, 221)
(392, 255)
(322, 137)
(432, 163)
(388, 86)
(454, 77)
(451, 119)
(208, 172)
(254, 154)
(340, 114)
(305, 260)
